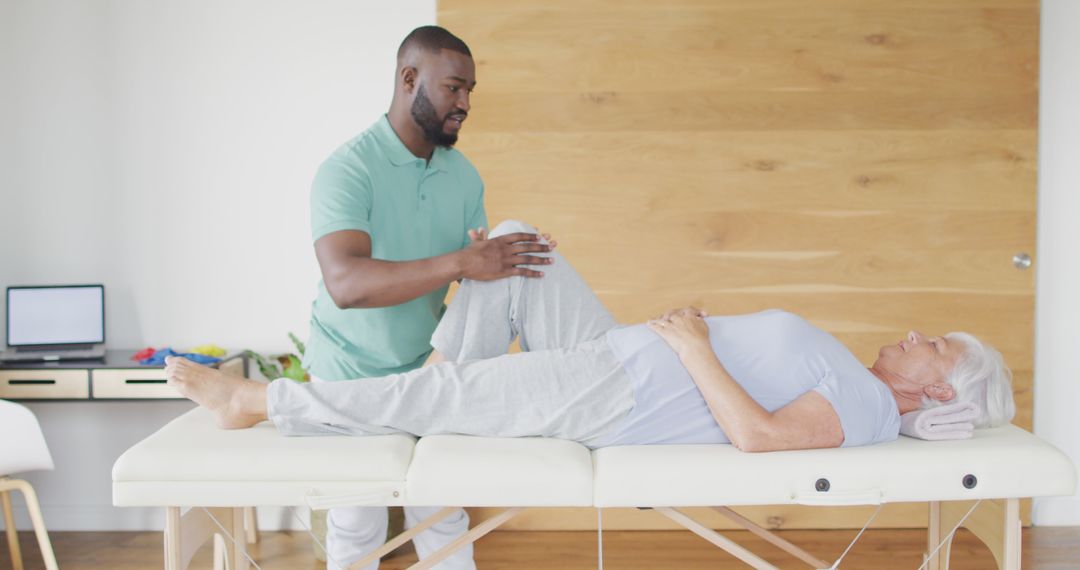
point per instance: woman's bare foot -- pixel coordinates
(236, 402)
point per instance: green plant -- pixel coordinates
(286, 365)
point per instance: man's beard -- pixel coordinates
(423, 112)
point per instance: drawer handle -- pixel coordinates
(17, 382)
(138, 381)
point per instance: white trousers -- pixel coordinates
(352, 532)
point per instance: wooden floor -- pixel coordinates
(1044, 548)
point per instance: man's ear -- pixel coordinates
(408, 79)
(940, 391)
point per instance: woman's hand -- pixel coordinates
(683, 329)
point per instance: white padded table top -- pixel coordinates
(1007, 462)
(190, 461)
(500, 472)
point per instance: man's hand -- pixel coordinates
(481, 234)
(486, 259)
(683, 329)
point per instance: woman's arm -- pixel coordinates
(806, 423)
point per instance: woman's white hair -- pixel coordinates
(982, 378)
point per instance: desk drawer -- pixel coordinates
(44, 384)
(132, 383)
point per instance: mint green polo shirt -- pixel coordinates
(412, 209)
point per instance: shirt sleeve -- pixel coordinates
(340, 199)
(859, 407)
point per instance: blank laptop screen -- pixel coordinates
(55, 315)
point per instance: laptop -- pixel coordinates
(55, 322)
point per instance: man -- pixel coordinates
(396, 215)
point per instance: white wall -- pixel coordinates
(165, 148)
(1057, 313)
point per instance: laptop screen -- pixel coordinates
(73, 314)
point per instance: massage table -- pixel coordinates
(217, 473)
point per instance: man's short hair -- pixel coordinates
(432, 39)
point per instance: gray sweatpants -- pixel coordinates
(566, 383)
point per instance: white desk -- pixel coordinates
(117, 377)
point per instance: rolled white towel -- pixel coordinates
(951, 421)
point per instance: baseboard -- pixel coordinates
(1056, 511)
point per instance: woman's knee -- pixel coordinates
(510, 227)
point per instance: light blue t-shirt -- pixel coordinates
(774, 355)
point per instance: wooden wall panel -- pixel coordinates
(870, 165)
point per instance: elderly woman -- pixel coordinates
(763, 381)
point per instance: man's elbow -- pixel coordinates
(345, 297)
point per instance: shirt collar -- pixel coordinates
(396, 150)
(398, 153)
(438, 159)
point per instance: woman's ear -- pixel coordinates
(940, 391)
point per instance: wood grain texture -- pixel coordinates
(1043, 548)
(801, 48)
(866, 164)
(639, 175)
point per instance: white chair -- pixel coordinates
(22, 448)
